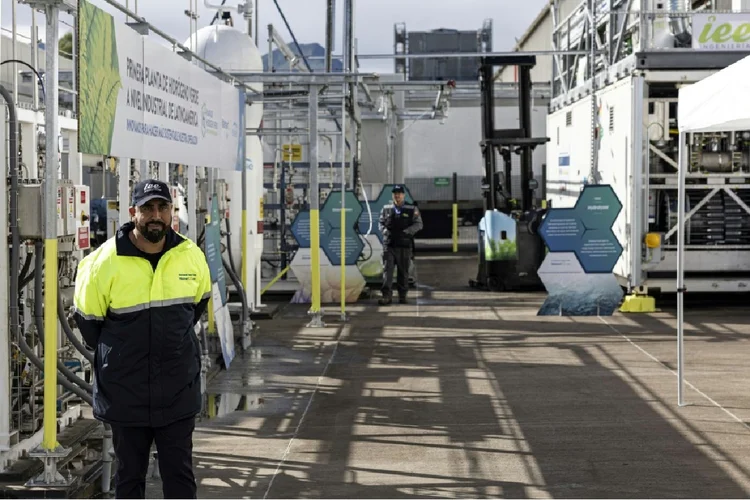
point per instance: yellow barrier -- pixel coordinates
(455, 227)
(49, 441)
(273, 281)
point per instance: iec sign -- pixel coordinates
(583, 251)
(721, 31)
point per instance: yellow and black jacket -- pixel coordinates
(140, 320)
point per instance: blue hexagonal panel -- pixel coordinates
(599, 251)
(598, 206)
(301, 229)
(561, 230)
(332, 247)
(331, 210)
(376, 206)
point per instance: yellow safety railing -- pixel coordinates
(273, 281)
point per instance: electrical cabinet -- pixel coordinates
(82, 213)
(69, 209)
(30, 211)
(72, 213)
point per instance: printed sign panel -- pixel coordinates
(729, 31)
(140, 100)
(583, 251)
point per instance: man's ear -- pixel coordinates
(132, 212)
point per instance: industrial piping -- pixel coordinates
(15, 251)
(39, 316)
(69, 332)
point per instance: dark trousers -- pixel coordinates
(400, 258)
(174, 446)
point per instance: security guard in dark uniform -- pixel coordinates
(138, 298)
(399, 222)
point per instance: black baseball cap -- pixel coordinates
(397, 189)
(150, 189)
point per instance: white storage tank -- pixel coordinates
(232, 50)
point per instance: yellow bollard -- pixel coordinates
(455, 227)
(49, 440)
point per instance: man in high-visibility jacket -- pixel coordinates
(138, 298)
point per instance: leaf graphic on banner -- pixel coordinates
(99, 80)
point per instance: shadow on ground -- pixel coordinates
(480, 400)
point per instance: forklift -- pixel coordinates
(510, 247)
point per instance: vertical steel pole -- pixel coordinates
(124, 190)
(164, 171)
(330, 33)
(681, 268)
(257, 25)
(315, 311)
(192, 195)
(50, 233)
(14, 49)
(34, 61)
(5, 333)
(343, 202)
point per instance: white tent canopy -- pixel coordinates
(719, 103)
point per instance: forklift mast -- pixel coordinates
(507, 142)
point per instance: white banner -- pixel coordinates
(140, 100)
(729, 31)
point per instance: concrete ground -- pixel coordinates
(467, 394)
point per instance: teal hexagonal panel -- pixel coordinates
(598, 206)
(331, 210)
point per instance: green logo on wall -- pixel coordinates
(724, 32)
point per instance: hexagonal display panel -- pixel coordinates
(331, 210)
(586, 229)
(301, 229)
(353, 248)
(598, 207)
(599, 251)
(562, 230)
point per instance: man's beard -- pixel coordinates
(154, 235)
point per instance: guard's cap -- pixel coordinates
(150, 189)
(398, 188)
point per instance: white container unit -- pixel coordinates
(637, 156)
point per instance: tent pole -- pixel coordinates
(680, 268)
